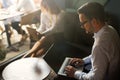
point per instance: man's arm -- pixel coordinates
(87, 60)
(99, 66)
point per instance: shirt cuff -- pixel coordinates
(87, 60)
(78, 74)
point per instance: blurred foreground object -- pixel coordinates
(26, 69)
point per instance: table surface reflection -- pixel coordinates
(26, 69)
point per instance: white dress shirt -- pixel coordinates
(51, 23)
(105, 56)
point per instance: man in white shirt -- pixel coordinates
(105, 54)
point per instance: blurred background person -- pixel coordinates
(10, 6)
(51, 26)
(26, 5)
(17, 5)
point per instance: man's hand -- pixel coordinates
(70, 70)
(76, 62)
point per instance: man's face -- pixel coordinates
(86, 24)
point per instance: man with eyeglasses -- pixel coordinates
(105, 54)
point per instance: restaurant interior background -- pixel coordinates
(78, 43)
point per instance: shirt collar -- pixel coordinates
(99, 32)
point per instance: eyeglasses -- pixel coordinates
(83, 23)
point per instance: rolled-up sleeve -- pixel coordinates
(87, 60)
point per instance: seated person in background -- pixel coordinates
(50, 25)
(26, 6)
(20, 5)
(10, 5)
(105, 54)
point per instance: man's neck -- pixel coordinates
(99, 26)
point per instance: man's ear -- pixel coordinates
(94, 21)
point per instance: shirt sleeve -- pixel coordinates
(57, 26)
(42, 26)
(99, 66)
(87, 60)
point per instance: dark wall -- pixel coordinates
(112, 8)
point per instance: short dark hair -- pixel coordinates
(93, 10)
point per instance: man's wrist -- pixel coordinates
(77, 74)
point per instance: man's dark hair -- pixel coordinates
(93, 10)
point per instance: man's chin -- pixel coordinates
(88, 32)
